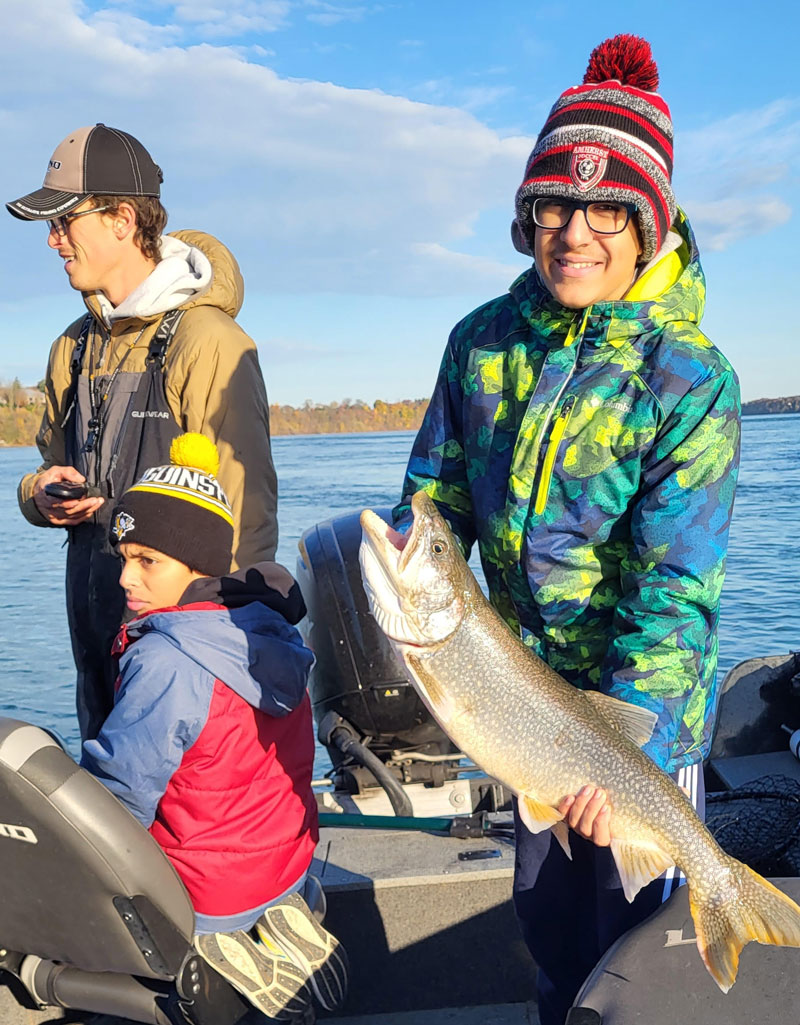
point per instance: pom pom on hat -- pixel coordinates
(627, 59)
(195, 450)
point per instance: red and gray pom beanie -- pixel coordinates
(609, 138)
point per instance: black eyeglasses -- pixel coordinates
(60, 224)
(603, 218)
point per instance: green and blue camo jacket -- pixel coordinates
(593, 455)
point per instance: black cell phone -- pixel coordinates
(66, 489)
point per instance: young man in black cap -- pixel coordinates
(157, 353)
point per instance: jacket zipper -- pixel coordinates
(556, 431)
(554, 441)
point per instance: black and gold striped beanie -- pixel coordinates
(180, 509)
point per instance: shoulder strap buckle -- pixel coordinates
(164, 334)
(76, 362)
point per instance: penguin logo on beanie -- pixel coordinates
(588, 166)
(123, 524)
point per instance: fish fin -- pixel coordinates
(437, 699)
(635, 722)
(537, 816)
(638, 864)
(749, 908)
(561, 833)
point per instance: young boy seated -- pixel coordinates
(210, 741)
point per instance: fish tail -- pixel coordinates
(745, 907)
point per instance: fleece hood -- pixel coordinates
(195, 269)
(249, 647)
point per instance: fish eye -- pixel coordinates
(438, 547)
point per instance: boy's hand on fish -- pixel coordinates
(588, 813)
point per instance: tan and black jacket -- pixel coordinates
(213, 385)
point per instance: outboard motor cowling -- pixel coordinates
(357, 674)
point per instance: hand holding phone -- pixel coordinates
(63, 501)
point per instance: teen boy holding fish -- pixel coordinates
(585, 432)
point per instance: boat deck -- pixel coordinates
(493, 1014)
(431, 936)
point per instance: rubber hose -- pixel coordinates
(342, 738)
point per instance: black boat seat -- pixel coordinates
(654, 974)
(83, 882)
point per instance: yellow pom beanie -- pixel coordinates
(180, 509)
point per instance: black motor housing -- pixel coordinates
(357, 674)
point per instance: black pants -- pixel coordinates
(95, 607)
(571, 912)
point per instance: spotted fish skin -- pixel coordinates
(522, 723)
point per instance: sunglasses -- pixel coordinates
(60, 224)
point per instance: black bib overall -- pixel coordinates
(112, 443)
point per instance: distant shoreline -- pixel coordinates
(758, 407)
(18, 427)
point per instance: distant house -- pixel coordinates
(20, 398)
(30, 397)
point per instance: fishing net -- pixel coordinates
(759, 823)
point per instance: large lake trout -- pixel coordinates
(544, 739)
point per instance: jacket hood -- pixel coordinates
(195, 269)
(671, 287)
(266, 582)
(251, 648)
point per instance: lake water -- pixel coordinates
(327, 475)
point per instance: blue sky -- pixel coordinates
(360, 159)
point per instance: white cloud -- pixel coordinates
(747, 139)
(230, 19)
(323, 13)
(136, 31)
(317, 187)
(729, 171)
(722, 222)
(447, 91)
(473, 271)
(314, 186)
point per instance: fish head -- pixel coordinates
(418, 585)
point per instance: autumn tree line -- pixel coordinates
(347, 417)
(21, 413)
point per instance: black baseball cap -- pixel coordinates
(93, 161)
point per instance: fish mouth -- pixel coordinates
(408, 578)
(381, 534)
(383, 555)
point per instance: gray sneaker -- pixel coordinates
(289, 927)
(270, 981)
